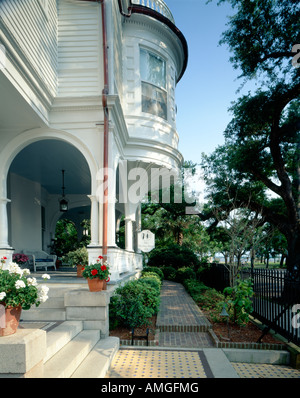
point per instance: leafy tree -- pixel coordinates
(261, 153)
(66, 237)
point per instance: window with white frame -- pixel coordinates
(153, 80)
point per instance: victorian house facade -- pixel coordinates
(87, 88)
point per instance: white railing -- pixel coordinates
(156, 5)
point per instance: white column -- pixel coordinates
(111, 233)
(3, 223)
(128, 235)
(94, 220)
(5, 249)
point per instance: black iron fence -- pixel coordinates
(276, 301)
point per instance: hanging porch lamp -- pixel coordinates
(63, 203)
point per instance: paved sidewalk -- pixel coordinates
(185, 348)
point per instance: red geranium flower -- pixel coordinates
(103, 267)
(94, 272)
(100, 257)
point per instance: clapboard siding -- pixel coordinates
(34, 33)
(118, 50)
(79, 45)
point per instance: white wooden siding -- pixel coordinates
(79, 47)
(34, 34)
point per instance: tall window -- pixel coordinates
(153, 77)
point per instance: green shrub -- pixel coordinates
(169, 273)
(184, 273)
(151, 282)
(239, 301)
(157, 270)
(150, 296)
(194, 287)
(208, 299)
(173, 256)
(133, 304)
(152, 275)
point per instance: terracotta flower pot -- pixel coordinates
(79, 270)
(95, 285)
(12, 319)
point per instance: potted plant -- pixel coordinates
(20, 258)
(97, 275)
(17, 291)
(78, 258)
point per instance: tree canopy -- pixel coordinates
(258, 167)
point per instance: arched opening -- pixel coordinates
(34, 187)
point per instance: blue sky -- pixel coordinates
(210, 82)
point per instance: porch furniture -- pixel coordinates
(41, 259)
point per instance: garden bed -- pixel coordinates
(125, 334)
(243, 337)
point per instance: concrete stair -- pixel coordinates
(77, 353)
(53, 309)
(72, 351)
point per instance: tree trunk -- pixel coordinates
(293, 257)
(282, 260)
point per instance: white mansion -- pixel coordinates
(88, 88)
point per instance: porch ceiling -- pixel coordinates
(43, 161)
(15, 113)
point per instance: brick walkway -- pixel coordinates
(180, 321)
(185, 349)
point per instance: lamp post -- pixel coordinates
(225, 314)
(63, 203)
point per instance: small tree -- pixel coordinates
(244, 231)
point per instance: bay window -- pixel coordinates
(153, 80)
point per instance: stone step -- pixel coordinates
(98, 361)
(53, 302)
(61, 335)
(59, 290)
(64, 363)
(43, 314)
(184, 328)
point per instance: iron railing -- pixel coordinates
(276, 297)
(276, 300)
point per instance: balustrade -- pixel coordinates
(156, 5)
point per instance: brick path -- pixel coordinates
(180, 321)
(185, 349)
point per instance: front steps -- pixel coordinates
(76, 348)
(53, 309)
(78, 353)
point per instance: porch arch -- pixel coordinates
(14, 148)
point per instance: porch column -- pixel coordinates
(111, 235)
(5, 249)
(138, 226)
(3, 223)
(94, 220)
(128, 234)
